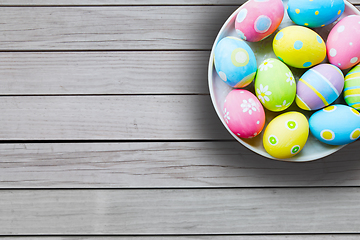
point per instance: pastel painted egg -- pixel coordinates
(257, 19)
(343, 45)
(336, 124)
(275, 85)
(286, 135)
(243, 113)
(299, 47)
(235, 62)
(352, 88)
(315, 13)
(319, 87)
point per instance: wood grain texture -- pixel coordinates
(177, 117)
(117, 2)
(124, 2)
(197, 211)
(111, 28)
(164, 165)
(154, 72)
(201, 237)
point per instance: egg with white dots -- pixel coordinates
(336, 124)
(285, 136)
(257, 19)
(343, 44)
(315, 13)
(243, 113)
(299, 46)
(235, 62)
(319, 86)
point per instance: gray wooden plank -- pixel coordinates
(189, 211)
(192, 237)
(104, 72)
(111, 28)
(125, 2)
(117, 3)
(162, 117)
(164, 165)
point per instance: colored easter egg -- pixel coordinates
(286, 135)
(315, 13)
(299, 47)
(336, 124)
(343, 45)
(243, 113)
(235, 62)
(319, 87)
(352, 88)
(275, 85)
(257, 19)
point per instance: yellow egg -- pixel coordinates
(286, 135)
(299, 47)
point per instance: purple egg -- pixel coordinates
(319, 87)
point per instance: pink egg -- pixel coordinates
(243, 113)
(257, 19)
(343, 44)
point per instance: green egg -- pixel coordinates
(275, 85)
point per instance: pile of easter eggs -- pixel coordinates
(275, 87)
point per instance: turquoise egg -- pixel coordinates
(315, 13)
(235, 62)
(336, 124)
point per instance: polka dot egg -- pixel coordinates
(299, 47)
(257, 19)
(243, 113)
(319, 87)
(352, 88)
(235, 62)
(286, 135)
(343, 45)
(318, 13)
(336, 125)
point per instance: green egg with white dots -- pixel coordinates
(275, 85)
(286, 135)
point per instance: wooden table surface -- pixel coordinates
(107, 131)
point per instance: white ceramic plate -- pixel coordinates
(313, 149)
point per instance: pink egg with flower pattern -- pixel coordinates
(343, 43)
(243, 113)
(257, 19)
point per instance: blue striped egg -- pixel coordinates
(319, 87)
(336, 124)
(352, 87)
(235, 62)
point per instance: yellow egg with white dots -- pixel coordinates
(286, 135)
(299, 47)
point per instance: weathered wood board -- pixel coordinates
(165, 165)
(181, 211)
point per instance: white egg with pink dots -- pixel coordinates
(343, 45)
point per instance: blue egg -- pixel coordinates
(336, 124)
(315, 13)
(235, 62)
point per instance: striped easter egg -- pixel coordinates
(319, 87)
(352, 87)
